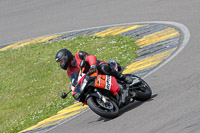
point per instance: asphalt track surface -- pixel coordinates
(175, 106)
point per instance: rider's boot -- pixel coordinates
(127, 79)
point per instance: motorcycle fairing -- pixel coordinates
(107, 82)
(77, 88)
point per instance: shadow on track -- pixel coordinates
(134, 105)
(127, 108)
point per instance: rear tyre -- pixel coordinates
(110, 110)
(142, 89)
(144, 92)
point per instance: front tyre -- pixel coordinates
(106, 110)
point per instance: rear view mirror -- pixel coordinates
(64, 95)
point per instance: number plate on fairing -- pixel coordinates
(108, 82)
(103, 81)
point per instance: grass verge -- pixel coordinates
(31, 82)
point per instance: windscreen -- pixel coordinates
(74, 78)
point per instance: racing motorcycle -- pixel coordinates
(104, 94)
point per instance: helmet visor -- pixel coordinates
(63, 64)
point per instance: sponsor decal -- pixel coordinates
(99, 81)
(108, 82)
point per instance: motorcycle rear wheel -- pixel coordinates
(142, 89)
(144, 92)
(102, 111)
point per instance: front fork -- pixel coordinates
(97, 94)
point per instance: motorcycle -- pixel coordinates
(104, 94)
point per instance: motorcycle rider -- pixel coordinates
(71, 63)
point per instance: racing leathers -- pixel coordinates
(92, 64)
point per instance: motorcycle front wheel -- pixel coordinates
(107, 110)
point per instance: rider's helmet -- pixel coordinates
(65, 57)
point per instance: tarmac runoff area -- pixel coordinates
(159, 42)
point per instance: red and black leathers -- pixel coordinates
(78, 57)
(92, 61)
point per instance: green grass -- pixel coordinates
(31, 82)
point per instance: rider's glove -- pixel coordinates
(92, 69)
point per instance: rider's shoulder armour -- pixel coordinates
(82, 55)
